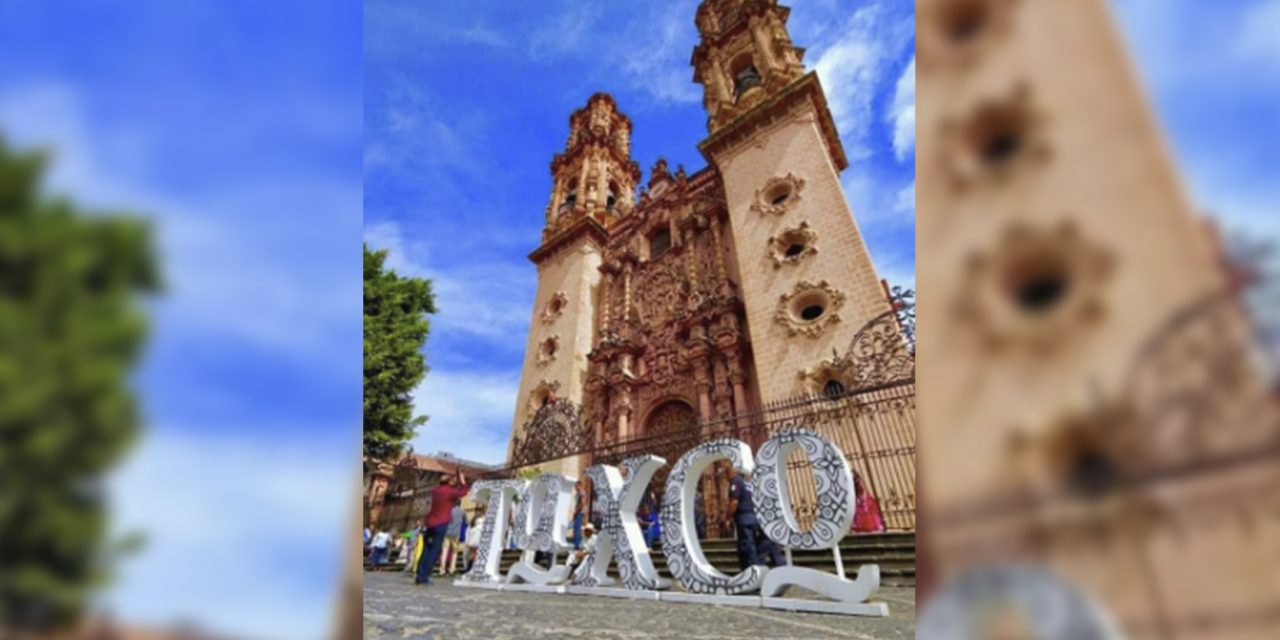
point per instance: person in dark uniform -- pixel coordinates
(754, 547)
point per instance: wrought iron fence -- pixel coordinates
(870, 416)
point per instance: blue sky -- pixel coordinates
(236, 127)
(466, 102)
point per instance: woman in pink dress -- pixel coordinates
(866, 517)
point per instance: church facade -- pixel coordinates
(695, 296)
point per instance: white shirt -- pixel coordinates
(381, 539)
(473, 532)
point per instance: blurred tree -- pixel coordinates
(71, 328)
(395, 331)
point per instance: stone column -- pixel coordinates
(602, 182)
(582, 182)
(606, 286)
(760, 34)
(721, 271)
(718, 78)
(626, 293)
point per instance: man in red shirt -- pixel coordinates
(443, 499)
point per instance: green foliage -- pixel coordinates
(395, 331)
(71, 328)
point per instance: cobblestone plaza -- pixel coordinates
(394, 608)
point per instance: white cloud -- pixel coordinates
(1257, 39)
(906, 200)
(575, 30)
(470, 411)
(656, 58)
(902, 114)
(470, 414)
(244, 534)
(853, 66)
(488, 300)
(202, 242)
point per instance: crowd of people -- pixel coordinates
(445, 542)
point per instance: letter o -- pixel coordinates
(834, 480)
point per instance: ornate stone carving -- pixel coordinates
(548, 348)
(809, 309)
(555, 306)
(1035, 288)
(542, 394)
(778, 195)
(996, 138)
(793, 245)
(958, 32)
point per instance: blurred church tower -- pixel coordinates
(1074, 305)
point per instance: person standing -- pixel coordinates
(380, 543)
(867, 517)
(452, 541)
(579, 512)
(411, 549)
(443, 499)
(699, 516)
(473, 538)
(753, 545)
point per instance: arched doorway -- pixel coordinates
(671, 417)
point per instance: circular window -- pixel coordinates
(1001, 145)
(556, 305)
(795, 249)
(998, 135)
(810, 308)
(779, 195)
(1038, 284)
(963, 20)
(833, 389)
(548, 348)
(1092, 472)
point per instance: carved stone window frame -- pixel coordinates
(554, 307)
(966, 138)
(544, 389)
(789, 184)
(804, 294)
(548, 349)
(779, 245)
(988, 302)
(938, 43)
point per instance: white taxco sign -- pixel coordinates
(542, 513)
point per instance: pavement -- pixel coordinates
(395, 608)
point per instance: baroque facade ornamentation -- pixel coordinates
(778, 195)
(1036, 288)
(793, 245)
(809, 309)
(650, 279)
(554, 307)
(548, 348)
(995, 139)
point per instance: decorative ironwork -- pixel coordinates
(878, 354)
(874, 427)
(554, 432)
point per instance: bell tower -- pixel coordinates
(594, 177)
(593, 186)
(807, 280)
(745, 56)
